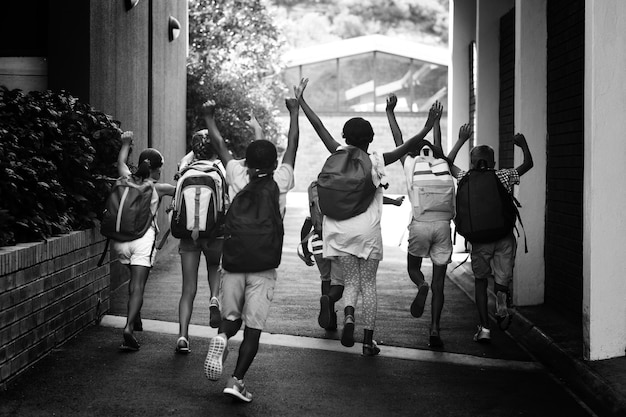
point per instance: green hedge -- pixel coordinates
(57, 157)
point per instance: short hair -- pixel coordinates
(482, 156)
(358, 131)
(149, 159)
(261, 154)
(201, 145)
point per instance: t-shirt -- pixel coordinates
(237, 178)
(359, 235)
(507, 176)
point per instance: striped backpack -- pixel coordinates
(200, 202)
(431, 188)
(128, 215)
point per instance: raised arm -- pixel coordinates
(465, 132)
(218, 142)
(437, 126)
(330, 143)
(393, 156)
(527, 163)
(254, 124)
(293, 137)
(122, 167)
(392, 100)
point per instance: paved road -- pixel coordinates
(300, 369)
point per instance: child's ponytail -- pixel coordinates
(149, 159)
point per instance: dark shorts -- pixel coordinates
(211, 248)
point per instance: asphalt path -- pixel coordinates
(300, 369)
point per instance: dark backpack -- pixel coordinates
(127, 214)
(314, 208)
(253, 230)
(200, 202)
(345, 185)
(485, 210)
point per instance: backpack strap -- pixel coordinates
(519, 218)
(104, 252)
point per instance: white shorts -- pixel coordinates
(141, 252)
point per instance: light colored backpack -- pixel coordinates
(431, 188)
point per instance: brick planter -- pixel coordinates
(49, 291)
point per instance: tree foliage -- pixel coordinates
(234, 53)
(420, 20)
(56, 159)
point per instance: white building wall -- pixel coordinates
(604, 223)
(531, 120)
(462, 33)
(488, 16)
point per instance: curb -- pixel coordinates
(593, 389)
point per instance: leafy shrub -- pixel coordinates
(57, 156)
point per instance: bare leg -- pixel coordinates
(190, 262)
(247, 351)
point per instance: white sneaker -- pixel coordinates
(483, 335)
(236, 389)
(215, 357)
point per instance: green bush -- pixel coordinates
(57, 157)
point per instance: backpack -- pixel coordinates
(128, 214)
(200, 202)
(485, 210)
(431, 188)
(345, 185)
(253, 230)
(314, 208)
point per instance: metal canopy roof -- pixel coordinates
(366, 44)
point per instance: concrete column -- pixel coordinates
(604, 223)
(488, 17)
(531, 120)
(462, 33)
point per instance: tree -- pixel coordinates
(233, 59)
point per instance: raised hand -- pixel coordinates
(299, 90)
(438, 109)
(465, 132)
(392, 101)
(208, 108)
(127, 138)
(292, 104)
(519, 140)
(434, 114)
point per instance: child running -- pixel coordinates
(138, 255)
(356, 242)
(203, 155)
(246, 296)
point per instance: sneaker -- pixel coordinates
(434, 340)
(371, 350)
(347, 336)
(214, 362)
(483, 335)
(236, 389)
(182, 345)
(215, 317)
(417, 307)
(324, 317)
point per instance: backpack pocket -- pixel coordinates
(432, 198)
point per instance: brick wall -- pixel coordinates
(312, 153)
(49, 291)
